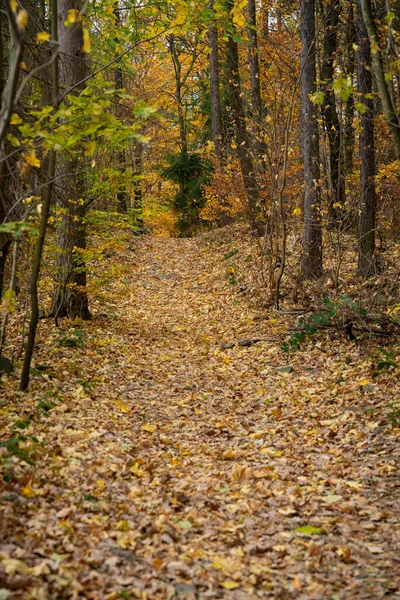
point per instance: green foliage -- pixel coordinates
(231, 253)
(20, 446)
(71, 339)
(387, 363)
(190, 172)
(16, 228)
(394, 414)
(309, 326)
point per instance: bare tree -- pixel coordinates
(69, 294)
(311, 262)
(367, 225)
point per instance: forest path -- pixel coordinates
(190, 471)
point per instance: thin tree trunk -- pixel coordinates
(215, 102)
(137, 186)
(331, 119)
(348, 135)
(69, 294)
(178, 93)
(390, 111)
(122, 199)
(257, 108)
(311, 262)
(243, 148)
(8, 89)
(367, 225)
(254, 64)
(47, 197)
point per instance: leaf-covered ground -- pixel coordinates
(173, 468)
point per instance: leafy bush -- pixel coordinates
(310, 325)
(190, 172)
(19, 445)
(71, 339)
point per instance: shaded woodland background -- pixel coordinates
(175, 117)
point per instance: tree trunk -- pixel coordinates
(137, 186)
(367, 225)
(311, 262)
(122, 202)
(257, 108)
(215, 103)
(243, 148)
(179, 81)
(8, 90)
(348, 134)
(69, 295)
(47, 198)
(254, 64)
(331, 119)
(390, 110)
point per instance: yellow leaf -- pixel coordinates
(149, 428)
(86, 41)
(101, 484)
(15, 119)
(122, 406)
(229, 584)
(123, 525)
(28, 492)
(364, 382)
(32, 160)
(90, 148)
(13, 5)
(42, 36)
(22, 19)
(72, 15)
(297, 212)
(240, 474)
(337, 205)
(14, 566)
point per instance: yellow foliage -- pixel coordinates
(32, 160)
(42, 36)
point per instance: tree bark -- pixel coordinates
(137, 186)
(8, 89)
(257, 108)
(348, 134)
(390, 110)
(47, 198)
(69, 295)
(122, 200)
(311, 262)
(254, 63)
(243, 148)
(215, 102)
(330, 116)
(367, 224)
(179, 82)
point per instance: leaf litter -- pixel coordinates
(170, 466)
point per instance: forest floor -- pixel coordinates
(174, 468)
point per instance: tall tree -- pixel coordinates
(311, 262)
(367, 227)
(69, 295)
(257, 109)
(243, 146)
(47, 198)
(330, 19)
(388, 105)
(215, 102)
(11, 27)
(122, 201)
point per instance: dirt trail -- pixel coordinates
(190, 471)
